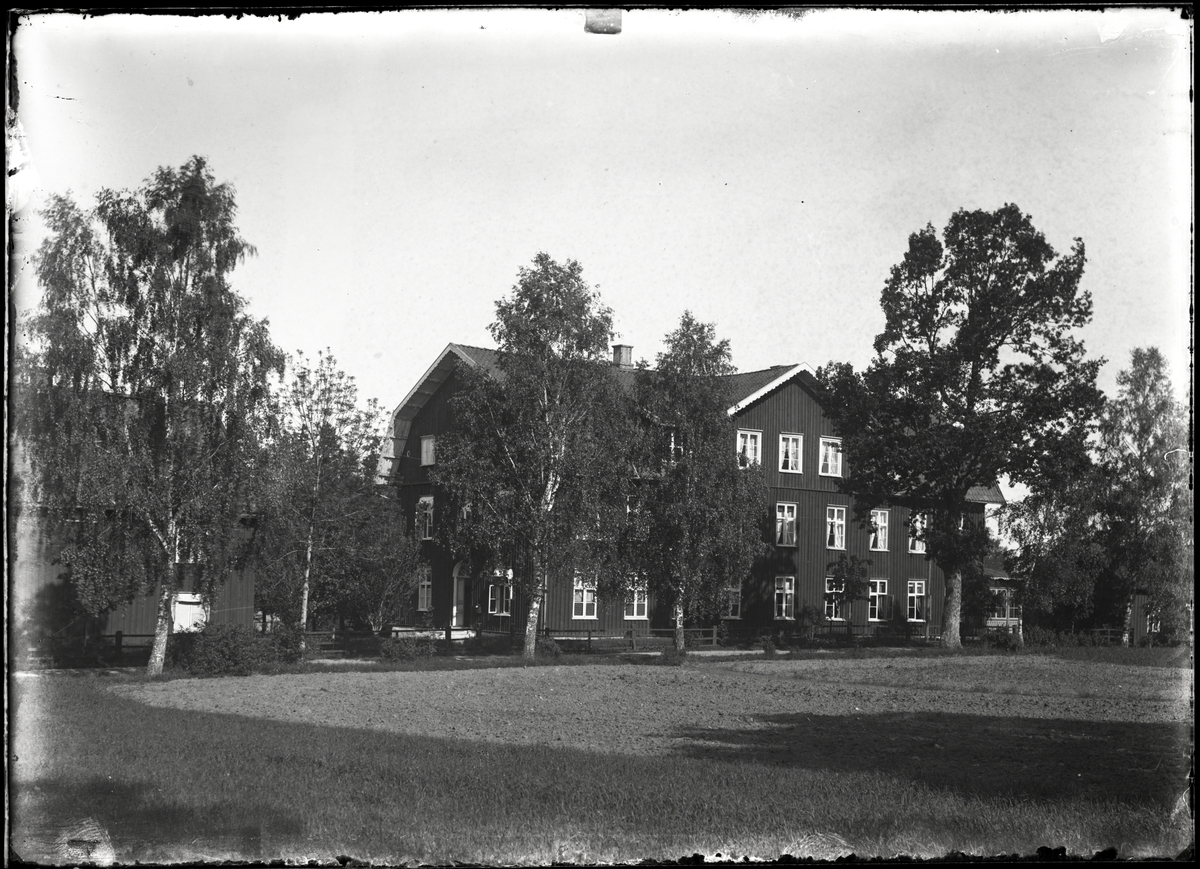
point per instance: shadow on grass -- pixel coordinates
(1140, 764)
(134, 816)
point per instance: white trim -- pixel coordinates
(881, 596)
(398, 426)
(758, 433)
(874, 531)
(798, 458)
(830, 603)
(821, 441)
(774, 384)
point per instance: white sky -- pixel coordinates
(395, 170)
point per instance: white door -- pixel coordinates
(460, 602)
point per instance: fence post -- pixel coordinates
(117, 647)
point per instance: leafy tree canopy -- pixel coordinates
(977, 376)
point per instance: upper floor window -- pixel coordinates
(425, 589)
(791, 448)
(584, 603)
(835, 527)
(916, 536)
(425, 518)
(428, 450)
(879, 530)
(731, 603)
(831, 457)
(785, 597)
(785, 524)
(748, 443)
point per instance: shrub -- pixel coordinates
(407, 648)
(287, 639)
(547, 648)
(671, 656)
(723, 633)
(1036, 636)
(768, 648)
(223, 650)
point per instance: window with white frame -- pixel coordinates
(833, 601)
(879, 605)
(831, 457)
(584, 603)
(424, 590)
(785, 524)
(635, 602)
(731, 602)
(879, 530)
(791, 449)
(500, 594)
(835, 527)
(917, 603)
(785, 597)
(916, 534)
(748, 446)
(428, 450)
(425, 518)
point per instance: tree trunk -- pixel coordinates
(680, 639)
(304, 588)
(531, 623)
(162, 629)
(952, 611)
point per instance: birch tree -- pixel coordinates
(534, 441)
(977, 376)
(320, 471)
(704, 511)
(150, 382)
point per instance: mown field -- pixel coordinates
(877, 756)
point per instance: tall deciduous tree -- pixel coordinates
(977, 376)
(1088, 541)
(531, 467)
(704, 511)
(1144, 454)
(321, 492)
(152, 379)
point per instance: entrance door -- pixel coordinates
(458, 617)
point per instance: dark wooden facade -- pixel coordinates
(41, 592)
(771, 403)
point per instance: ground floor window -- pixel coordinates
(500, 599)
(833, 600)
(1004, 605)
(584, 606)
(425, 591)
(785, 597)
(916, 601)
(879, 605)
(731, 603)
(635, 603)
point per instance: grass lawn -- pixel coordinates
(881, 756)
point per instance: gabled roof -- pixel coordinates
(430, 382)
(749, 387)
(745, 388)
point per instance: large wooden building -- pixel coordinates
(780, 424)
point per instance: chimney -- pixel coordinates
(623, 355)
